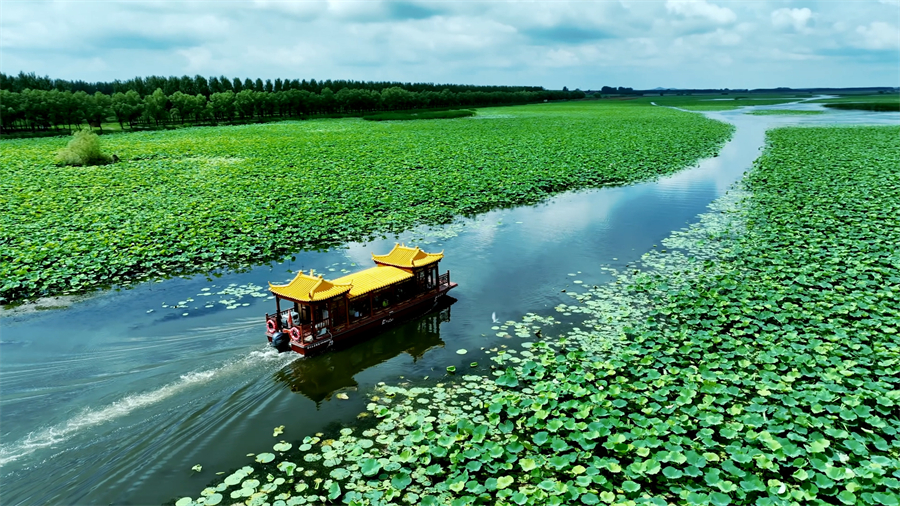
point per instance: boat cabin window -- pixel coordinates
(359, 308)
(426, 278)
(339, 312)
(405, 290)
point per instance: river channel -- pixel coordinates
(112, 399)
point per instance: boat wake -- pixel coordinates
(49, 436)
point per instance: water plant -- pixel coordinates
(83, 149)
(785, 112)
(406, 116)
(756, 361)
(206, 199)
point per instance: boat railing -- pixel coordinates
(315, 331)
(281, 318)
(444, 279)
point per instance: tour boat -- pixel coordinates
(324, 313)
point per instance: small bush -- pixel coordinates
(83, 149)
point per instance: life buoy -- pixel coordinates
(270, 325)
(295, 333)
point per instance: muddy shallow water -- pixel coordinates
(113, 398)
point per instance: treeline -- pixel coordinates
(39, 109)
(206, 87)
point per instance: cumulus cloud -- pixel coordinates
(878, 35)
(676, 43)
(701, 9)
(793, 19)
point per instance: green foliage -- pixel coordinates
(784, 112)
(717, 103)
(769, 376)
(403, 116)
(892, 98)
(83, 149)
(866, 106)
(201, 199)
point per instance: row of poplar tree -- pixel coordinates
(32, 103)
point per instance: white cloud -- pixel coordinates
(795, 19)
(678, 43)
(878, 35)
(198, 58)
(701, 9)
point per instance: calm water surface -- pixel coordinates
(114, 398)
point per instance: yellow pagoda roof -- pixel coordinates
(403, 256)
(309, 288)
(372, 279)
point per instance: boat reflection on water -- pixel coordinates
(319, 377)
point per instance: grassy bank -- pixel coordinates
(784, 112)
(719, 103)
(407, 116)
(202, 199)
(757, 364)
(866, 106)
(889, 98)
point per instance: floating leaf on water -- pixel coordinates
(184, 501)
(282, 447)
(343, 396)
(265, 458)
(287, 468)
(197, 468)
(214, 499)
(504, 481)
(451, 369)
(461, 351)
(277, 431)
(339, 473)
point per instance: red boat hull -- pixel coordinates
(367, 327)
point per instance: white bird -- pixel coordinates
(494, 318)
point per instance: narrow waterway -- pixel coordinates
(113, 398)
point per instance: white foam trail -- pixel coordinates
(49, 436)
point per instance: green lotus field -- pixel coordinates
(205, 199)
(758, 363)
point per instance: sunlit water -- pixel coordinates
(113, 399)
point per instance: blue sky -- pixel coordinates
(579, 44)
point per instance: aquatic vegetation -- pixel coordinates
(83, 149)
(206, 199)
(876, 97)
(756, 361)
(405, 116)
(784, 112)
(866, 106)
(716, 103)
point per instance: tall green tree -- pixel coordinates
(155, 106)
(222, 105)
(127, 107)
(99, 107)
